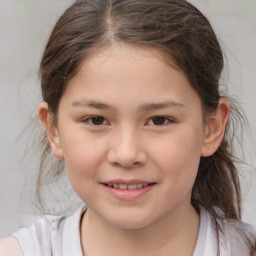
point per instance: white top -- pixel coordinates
(59, 236)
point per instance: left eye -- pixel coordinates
(95, 120)
(159, 120)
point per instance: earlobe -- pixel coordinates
(53, 135)
(215, 128)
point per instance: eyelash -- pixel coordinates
(167, 120)
(89, 120)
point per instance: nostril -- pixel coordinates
(125, 165)
(126, 157)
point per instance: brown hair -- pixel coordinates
(181, 33)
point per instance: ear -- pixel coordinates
(215, 128)
(47, 120)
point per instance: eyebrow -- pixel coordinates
(142, 108)
(161, 105)
(91, 104)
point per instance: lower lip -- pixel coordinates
(128, 194)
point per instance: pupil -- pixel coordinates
(97, 120)
(158, 120)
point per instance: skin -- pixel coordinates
(128, 87)
(9, 246)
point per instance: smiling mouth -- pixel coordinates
(128, 190)
(127, 186)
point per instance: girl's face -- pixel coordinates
(131, 132)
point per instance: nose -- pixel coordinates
(127, 149)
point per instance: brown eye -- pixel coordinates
(95, 120)
(158, 120)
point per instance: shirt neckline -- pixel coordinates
(72, 239)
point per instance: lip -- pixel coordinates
(127, 182)
(128, 194)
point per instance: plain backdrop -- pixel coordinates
(24, 28)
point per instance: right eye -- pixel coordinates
(96, 120)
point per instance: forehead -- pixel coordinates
(129, 71)
(123, 57)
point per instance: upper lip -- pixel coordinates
(127, 182)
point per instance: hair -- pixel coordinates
(183, 35)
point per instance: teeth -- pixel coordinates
(133, 186)
(125, 186)
(115, 185)
(122, 186)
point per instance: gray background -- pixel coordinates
(24, 28)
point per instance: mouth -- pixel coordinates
(128, 190)
(126, 186)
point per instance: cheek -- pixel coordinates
(83, 156)
(178, 156)
(83, 160)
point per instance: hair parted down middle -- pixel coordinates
(184, 36)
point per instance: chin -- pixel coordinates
(129, 225)
(129, 221)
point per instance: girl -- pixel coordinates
(131, 103)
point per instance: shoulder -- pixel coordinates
(238, 229)
(10, 247)
(242, 237)
(42, 237)
(233, 236)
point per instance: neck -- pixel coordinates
(174, 234)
